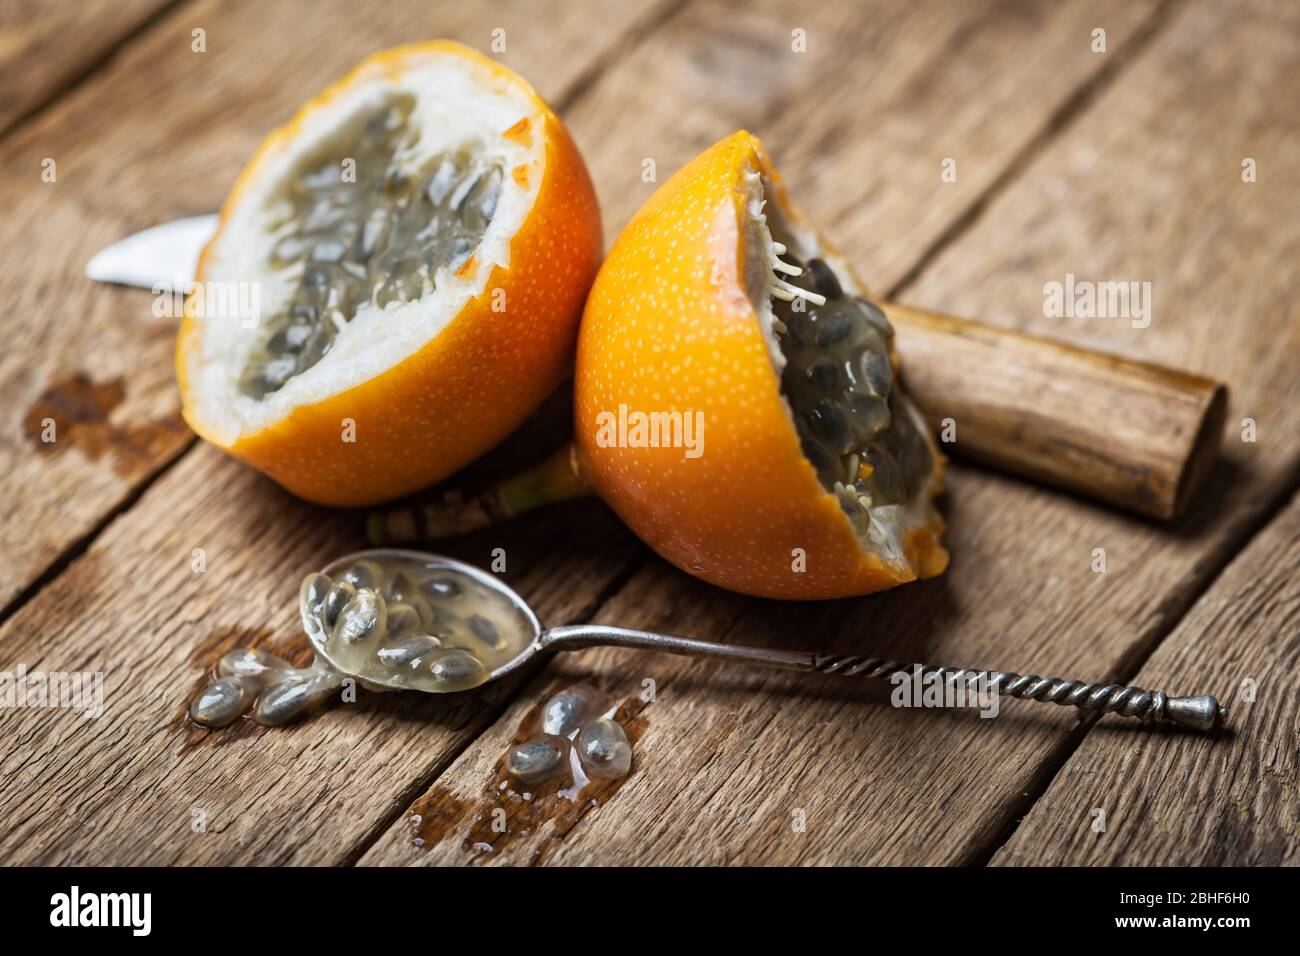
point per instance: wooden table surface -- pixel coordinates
(1117, 165)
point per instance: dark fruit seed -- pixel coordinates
(877, 374)
(399, 588)
(799, 327)
(823, 460)
(872, 311)
(402, 617)
(840, 384)
(825, 374)
(824, 279)
(832, 327)
(222, 702)
(870, 416)
(830, 423)
(335, 601)
(537, 761)
(409, 651)
(360, 575)
(347, 236)
(457, 667)
(876, 318)
(603, 748)
(572, 707)
(441, 587)
(289, 339)
(360, 618)
(484, 630)
(287, 700)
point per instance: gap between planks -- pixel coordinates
(87, 72)
(1074, 106)
(1128, 671)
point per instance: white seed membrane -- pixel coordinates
(458, 108)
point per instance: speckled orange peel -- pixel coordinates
(683, 318)
(409, 390)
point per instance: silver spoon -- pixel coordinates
(1199, 713)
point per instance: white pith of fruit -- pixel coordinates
(769, 234)
(458, 103)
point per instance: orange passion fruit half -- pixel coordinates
(396, 280)
(737, 401)
(811, 474)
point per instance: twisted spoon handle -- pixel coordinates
(1200, 713)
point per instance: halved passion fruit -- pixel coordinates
(815, 474)
(396, 282)
(807, 472)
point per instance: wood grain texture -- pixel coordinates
(322, 792)
(44, 46)
(1128, 433)
(1231, 800)
(861, 123)
(162, 132)
(729, 762)
(127, 787)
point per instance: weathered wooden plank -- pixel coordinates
(1179, 799)
(125, 787)
(43, 46)
(750, 767)
(160, 133)
(316, 793)
(861, 123)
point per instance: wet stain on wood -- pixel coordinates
(75, 413)
(505, 814)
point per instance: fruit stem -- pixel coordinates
(555, 478)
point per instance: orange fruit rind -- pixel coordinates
(689, 314)
(424, 366)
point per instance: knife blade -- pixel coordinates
(162, 258)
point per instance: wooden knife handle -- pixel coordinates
(1128, 433)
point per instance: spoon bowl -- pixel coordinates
(433, 563)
